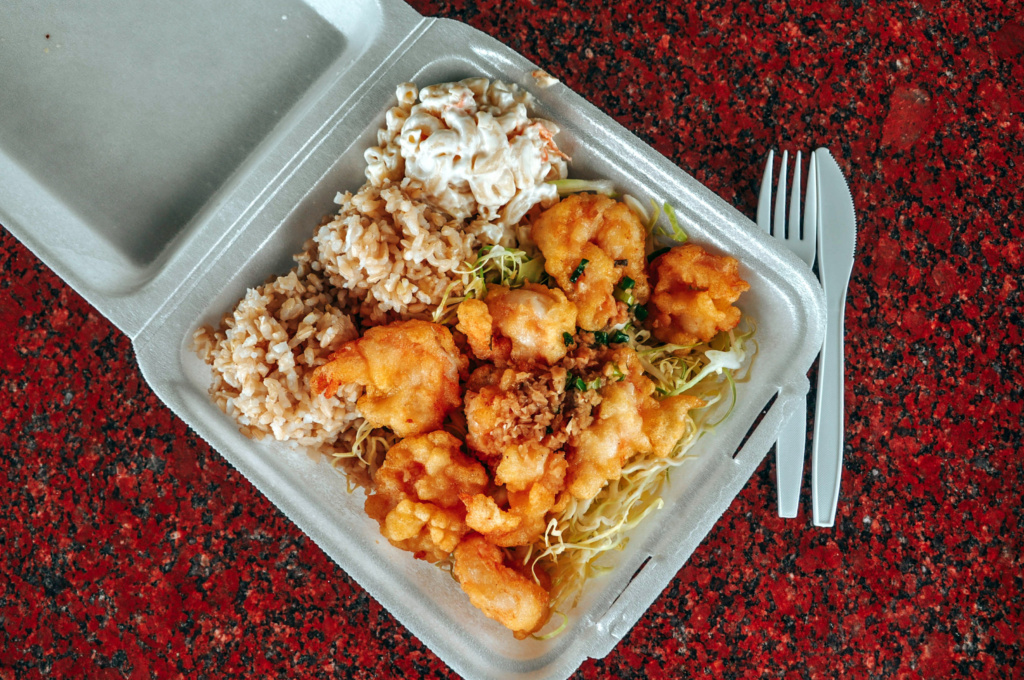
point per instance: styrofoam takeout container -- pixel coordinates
(164, 157)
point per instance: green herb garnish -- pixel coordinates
(567, 338)
(617, 373)
(657, 253)
(579, 270)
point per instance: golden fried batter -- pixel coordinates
(693, 295)
(476, 322)
(513, 407)
(609, 236)
(416, 496)
(535, 318)
(522, 465)
(502, 593)
(629, 421)
(524, 521)
(616, 435)
(410, 370)
(665, 421)
(526, 325)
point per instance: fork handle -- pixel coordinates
(829, 421)
(789, 462)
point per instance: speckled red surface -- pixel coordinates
(128, 548)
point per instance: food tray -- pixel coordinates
(161, 215)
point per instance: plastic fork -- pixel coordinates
(789, 449)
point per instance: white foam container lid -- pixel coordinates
(162, 158)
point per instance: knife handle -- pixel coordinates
(829, 421)
(789, 461)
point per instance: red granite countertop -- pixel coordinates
(129, 548)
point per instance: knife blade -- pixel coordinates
(837, 241)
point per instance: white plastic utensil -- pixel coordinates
(789, 449)
(837, 241)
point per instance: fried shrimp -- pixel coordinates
(511, 407)
(590, 243)
(629, 421)
(523, 465)
(411, 372)
(616, 435)
(526, 325)
(416, 496)
(693, 295)
(524, 521)
(535, 318)
(477, 324)
(502, 593)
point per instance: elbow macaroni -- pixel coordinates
(474, 149)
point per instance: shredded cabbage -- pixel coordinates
(575, 186)
(496, 265)
(677, 232)
(369, 446)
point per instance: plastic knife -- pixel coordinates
(837, 241)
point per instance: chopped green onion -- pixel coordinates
(626, 283)
(617, 373)
(600, 338)
(579, 270)
(567, 338)
(619, 337)
(624, 296)
(640, 312)
(657, 253)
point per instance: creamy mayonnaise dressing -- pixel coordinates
(475, 150)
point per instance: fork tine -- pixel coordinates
(811, 210)
(794, 203)
(764, 200)
(779, 223)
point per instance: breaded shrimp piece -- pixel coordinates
(411, 372)
(514, 407)
(605, 233)
(524, 521)
(535, 318)
(522, 465)
(417, 493)
(629, 421)
(486, 411)
(693, 295)
(499, 591)
(664, 420)
(526, 325)
(477, 324)
(616, 435)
